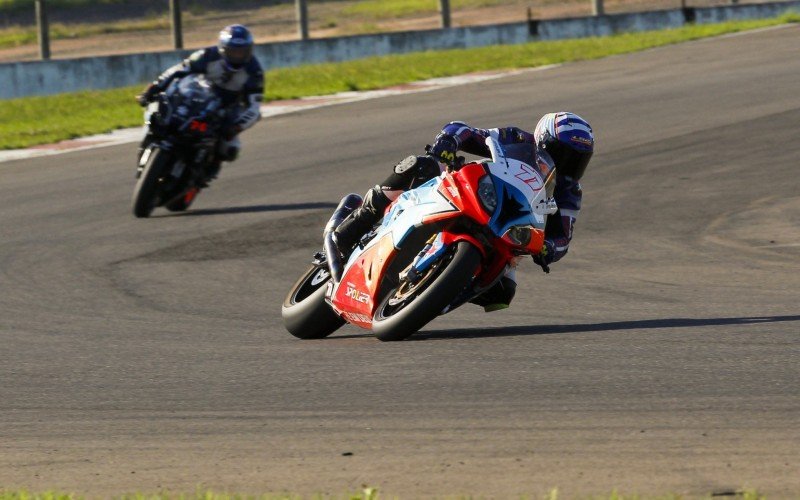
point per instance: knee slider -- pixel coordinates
(417, 166)
(408, 164)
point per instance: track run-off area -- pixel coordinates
(661, 355)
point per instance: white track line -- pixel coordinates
(275, 108)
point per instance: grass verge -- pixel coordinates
(41, 120)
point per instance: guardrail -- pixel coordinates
(22, 79)
(175, 13)
(301, 10)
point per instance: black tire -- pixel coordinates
(423, 305)
(179, 204)
(305, 313)
(145, 193)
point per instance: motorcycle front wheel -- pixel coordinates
(305, 313)
(409, 307)
(145, 194)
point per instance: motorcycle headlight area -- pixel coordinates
(519, 235)
(487, 193)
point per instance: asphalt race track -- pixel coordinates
(660, 356)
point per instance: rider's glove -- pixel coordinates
(545, 256)
(444, 149)
(147, 96)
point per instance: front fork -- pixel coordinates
(145, 150)
(434, 249)
(145, 147)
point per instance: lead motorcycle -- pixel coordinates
(438, 246)
(184, 125)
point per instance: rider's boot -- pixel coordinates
(356, 225)
(210, 172)
(226, 151)
(498, 297)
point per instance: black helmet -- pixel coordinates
(235, 46)
(568, 139)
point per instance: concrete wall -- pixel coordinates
(68, 75)
(581, 27)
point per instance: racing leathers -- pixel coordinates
(241, 90)
(415, 170)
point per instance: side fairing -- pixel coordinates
(355, 296)
(412, 207)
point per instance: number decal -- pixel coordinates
(529, 176)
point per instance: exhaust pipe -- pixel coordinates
(348, 204)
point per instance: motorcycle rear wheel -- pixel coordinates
(405, 309)
(183, 202)
(145, 198)
(305, 313)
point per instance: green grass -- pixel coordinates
(40, 120)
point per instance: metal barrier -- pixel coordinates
(21, 79)
(301, 10)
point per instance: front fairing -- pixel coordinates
(188, 112)
(524, 195)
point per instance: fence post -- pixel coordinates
(177, 27)
(302, 18)
(43, 29)
(597, 8)
(444, 8)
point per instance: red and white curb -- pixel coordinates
(274, 108)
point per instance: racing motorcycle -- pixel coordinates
(438, 246)
(184, 125)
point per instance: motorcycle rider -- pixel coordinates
(565, 137)
(237, 78)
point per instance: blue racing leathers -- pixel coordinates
(242, 91)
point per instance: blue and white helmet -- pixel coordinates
(568, 139)
(235, 45)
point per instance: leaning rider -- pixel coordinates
(566, 137)
(237, 78)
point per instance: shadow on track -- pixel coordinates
(248, 209)
(519, 331)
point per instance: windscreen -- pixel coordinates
(523, 152)
(539, 159)
(193, 97)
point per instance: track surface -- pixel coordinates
(660, 355)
